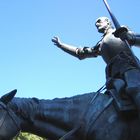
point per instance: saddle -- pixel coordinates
(122, 102)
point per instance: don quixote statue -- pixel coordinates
(112, 115)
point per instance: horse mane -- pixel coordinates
(55, 117)
(27, 107)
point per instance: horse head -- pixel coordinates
(9, 124)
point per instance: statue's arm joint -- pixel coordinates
(86, 52)
(132, 38)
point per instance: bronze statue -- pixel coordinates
(122, 69)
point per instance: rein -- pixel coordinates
(10, 113)
(77, 127)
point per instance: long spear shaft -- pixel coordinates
(117, 26)
(115, 21)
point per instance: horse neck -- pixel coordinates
(61, 115)
(50, 118)
(24, 108)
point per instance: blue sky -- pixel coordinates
(30, 63)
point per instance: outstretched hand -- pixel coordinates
(56, 41)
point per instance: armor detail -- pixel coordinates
(111, 46)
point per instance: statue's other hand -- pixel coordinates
(56, 41)
(121, 33)
(124, 34)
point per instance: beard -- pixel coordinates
(101, 29)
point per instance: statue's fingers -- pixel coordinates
(55, 44)
(56, 38)
(53, 40)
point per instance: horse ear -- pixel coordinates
(8, 97)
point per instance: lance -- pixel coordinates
(117, 26)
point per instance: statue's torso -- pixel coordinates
(111, 46)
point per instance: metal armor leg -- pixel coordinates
(132, 78)
(122, 102)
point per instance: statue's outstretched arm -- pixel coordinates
(80, 53)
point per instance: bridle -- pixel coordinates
(10, 113)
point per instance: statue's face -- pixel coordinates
(102, 24)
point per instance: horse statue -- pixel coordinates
(89, 116)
